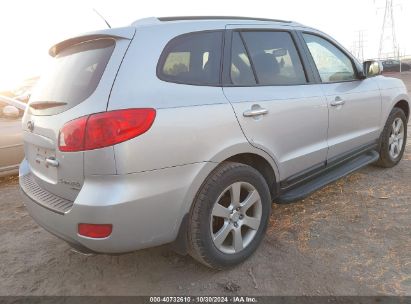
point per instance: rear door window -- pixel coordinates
(193, 58)
(72, 77)
(274, 58)
(241, 72)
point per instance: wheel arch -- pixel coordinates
(403, 105)
(261, 165)
(242, 153)
(396, 100)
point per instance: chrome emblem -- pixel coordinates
(30, 125)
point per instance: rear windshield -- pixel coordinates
(73, 77)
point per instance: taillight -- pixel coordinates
(96, 231)
(104, 129)
(71, 137)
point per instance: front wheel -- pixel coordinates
(393, 139)
(229, 216)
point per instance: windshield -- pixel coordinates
(73, 76)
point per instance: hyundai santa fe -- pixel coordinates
(183, 130)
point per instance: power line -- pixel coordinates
(359, 45)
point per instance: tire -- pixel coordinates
(388, 159)
(214, 231)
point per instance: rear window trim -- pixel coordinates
(164, 54)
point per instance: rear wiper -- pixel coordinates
(41, 105)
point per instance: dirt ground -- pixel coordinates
(351, 238)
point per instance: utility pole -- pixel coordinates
(388, 39)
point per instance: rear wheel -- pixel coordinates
(393, 139)
(229, 216)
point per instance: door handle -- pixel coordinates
(52, 161)
(255, 112)
(338, 101)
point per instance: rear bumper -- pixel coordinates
(145, 208)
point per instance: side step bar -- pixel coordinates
(329, 176)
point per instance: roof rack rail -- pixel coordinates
(218, 18)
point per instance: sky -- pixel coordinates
(29, 28)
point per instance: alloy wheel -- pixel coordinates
(235, 217)
(396, 139)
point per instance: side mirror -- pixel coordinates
(372, 68)
(11, 112)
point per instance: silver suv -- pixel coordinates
(184, 130)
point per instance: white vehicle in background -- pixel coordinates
(11, 141)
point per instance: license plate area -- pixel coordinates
(37, 157)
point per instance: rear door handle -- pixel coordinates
(255, 112)
(338, 101)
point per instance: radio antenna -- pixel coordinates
(108, 24)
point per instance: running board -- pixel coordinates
(327, 177)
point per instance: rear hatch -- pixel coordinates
(77, 84)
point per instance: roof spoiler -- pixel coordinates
(121, 32)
